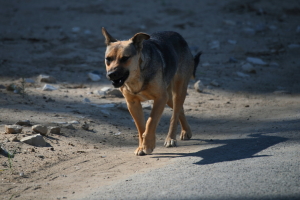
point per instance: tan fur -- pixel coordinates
(156, 90)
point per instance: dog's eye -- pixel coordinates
(124, 58)
(108, 59)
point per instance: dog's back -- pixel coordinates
(174, 52)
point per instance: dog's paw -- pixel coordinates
(139, 152)
(185, 135)
(170, 143)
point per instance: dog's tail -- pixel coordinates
(196, 62)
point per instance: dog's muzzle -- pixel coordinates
(118, 77)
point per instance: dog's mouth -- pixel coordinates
(119, 82)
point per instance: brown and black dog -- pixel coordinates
(154, 67)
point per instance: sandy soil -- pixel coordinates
(63, 39)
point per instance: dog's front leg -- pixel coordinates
(136, 111)
(152, 122)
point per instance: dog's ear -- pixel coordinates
(138, 39)
(108, 37)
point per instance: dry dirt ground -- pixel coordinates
(63, 39)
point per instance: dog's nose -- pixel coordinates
(113, 75)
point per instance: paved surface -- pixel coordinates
(264, 165)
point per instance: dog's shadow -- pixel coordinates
(231, 149)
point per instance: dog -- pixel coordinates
(154, 67)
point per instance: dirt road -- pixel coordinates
(245, 123)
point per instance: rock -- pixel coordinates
(11, 129)
(28, 80)
(122, 106)
(146, 106)
(214, 44)
(240, 74)
(73, 122)
(256, 61)
(199, 87)
(115, 92)
(99, 92)
(69, 126)
(86, 100)
(85, 126)
(76, 29)
(23, 123)
(109, 105)
(105, 112)
(215, 83)
(47, 79)
(13, 139)
(274, 64)
(229, 22)
(40, 129)
(232, 41)
(94, 77)
(294, 46)
(298, 29)
(49, 88)
(35, 140)
(249, 31)
(54, 130)
(248, 68)
(206, 64)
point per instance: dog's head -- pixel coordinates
(122, 58)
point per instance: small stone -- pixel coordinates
(294, 46)
(11, 129)
(99, 92)
(199, 87)
(94, 77)
(122, 106)
(274, 64)
(47, 79)
(75, 29)
(146, 106)
(256, 61)
(69, 126)
(54, 130)
(40, 129)
(115, 92)
(232, 41)
(28, 80)
(34, 140)
(105, 112)
(248, 68)
(86, 100)
(73, 122)
(13, 139)
(49, 88)
(249, 31)
(206, 64)
(23, 123)
(229, 22)
(85, 126)
(215, 83)
(240, 74)
(214, 44)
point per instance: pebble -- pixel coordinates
(229, 22)
(243, 75)
(249, 31)
(73, 122)
(86, 100)
(105, 112)
(199, 87)
(34, 140)
(94, 77)
(214, 44)
(46, 79)
(294, 46)
(146, 106)
(248, 68)
(54, 130)
(256, 61)
(11, 129)
(214, 83)
(109, 105)
(23, 123)
(13, 139)
(274, 64)
(122, 106)
(40, 129)
(29, 80)
(115, 92)
(49, 88)
(106, 89)
(85, 126)
(99, 92)
(232, 41)
(69, 126)
(75, 29)
(206, 64)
